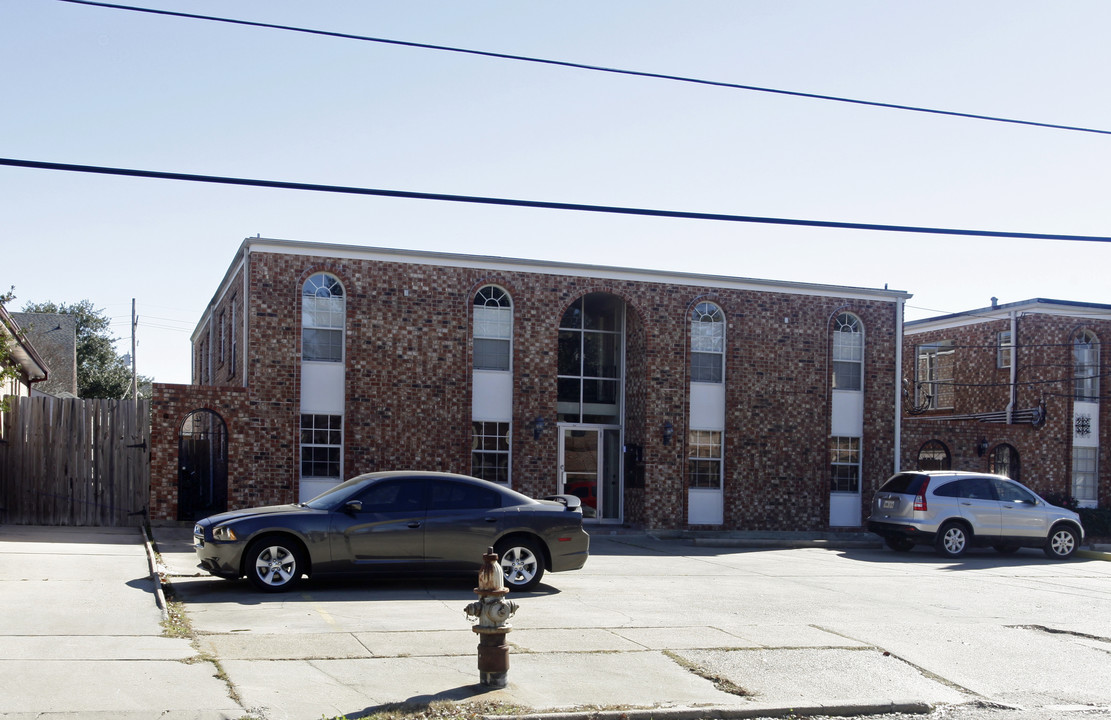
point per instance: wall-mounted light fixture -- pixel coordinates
(668, 431)
(982, 447)
(538, 427)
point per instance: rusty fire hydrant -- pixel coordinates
(492, 611)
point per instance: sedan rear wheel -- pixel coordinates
(1062, 543)
(952, 540)
(274, 564)
(522, 563)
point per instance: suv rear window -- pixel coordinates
(904, 484)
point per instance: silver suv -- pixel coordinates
(955, 510)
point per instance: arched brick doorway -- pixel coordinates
(202, 481)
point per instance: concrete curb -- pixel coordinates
(788, 544)
(726, 713)
(155, 576)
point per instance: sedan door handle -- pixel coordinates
(415, 524)
(490, 519)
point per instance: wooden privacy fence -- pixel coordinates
(75, 462)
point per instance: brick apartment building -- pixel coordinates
(665, 400)
(1016, 389)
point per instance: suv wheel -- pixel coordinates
(952, 540)
(1062, 542)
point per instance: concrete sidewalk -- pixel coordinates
(81, 633)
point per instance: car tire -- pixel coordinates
(1062, 542)
(274, 563)
(899, 544)
(952, 540)
(1005, 548)
(522, 563)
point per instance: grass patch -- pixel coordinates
(439, 710)
(723, 684)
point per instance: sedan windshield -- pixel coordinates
(332, 496)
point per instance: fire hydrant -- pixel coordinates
(492, 611)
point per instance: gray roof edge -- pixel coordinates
(22, 350)
(990, 312)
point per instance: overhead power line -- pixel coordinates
(594, 68)
(578, 207)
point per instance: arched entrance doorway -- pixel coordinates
(202, 479)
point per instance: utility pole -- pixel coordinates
(134, 376)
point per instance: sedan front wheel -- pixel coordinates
(521, 562)
(274, 564)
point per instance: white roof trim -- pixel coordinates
(601, 272)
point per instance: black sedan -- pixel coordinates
(396, 523)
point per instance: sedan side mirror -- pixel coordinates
(353, 507)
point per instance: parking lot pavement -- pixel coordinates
(667, 625)
(81, 634)
(648, 624)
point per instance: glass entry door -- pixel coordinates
(590, 468)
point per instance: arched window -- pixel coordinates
(323, 319)
(1085, 359)
(1004, 461)
(707, 343)
(933, 455)
(493, 328)
(848, 353)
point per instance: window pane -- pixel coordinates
(704, 464)
(490, 451)
(1086, 366)
(322, 345)
(493, 322)
(1084, 476)
(600, 355)
(601, 312)
(844, 453)
(933, 456)
(847, 375)
(570, 353)
(706, 367)
(491, 354)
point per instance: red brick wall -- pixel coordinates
(1044, 375)
(408, 394)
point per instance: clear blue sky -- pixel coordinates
(105, 87)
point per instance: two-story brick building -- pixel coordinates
(1019, 389)
(665, 400)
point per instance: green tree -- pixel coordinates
(101, 373)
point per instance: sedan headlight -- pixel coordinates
(224, 533)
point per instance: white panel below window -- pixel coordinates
(844, 510)
(322, 386)
(848, 414)
(492, 396)
(708, 406)
(311, 487)
(704, 507)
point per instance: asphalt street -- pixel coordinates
(651, 627)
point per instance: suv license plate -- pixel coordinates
(888, 504)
